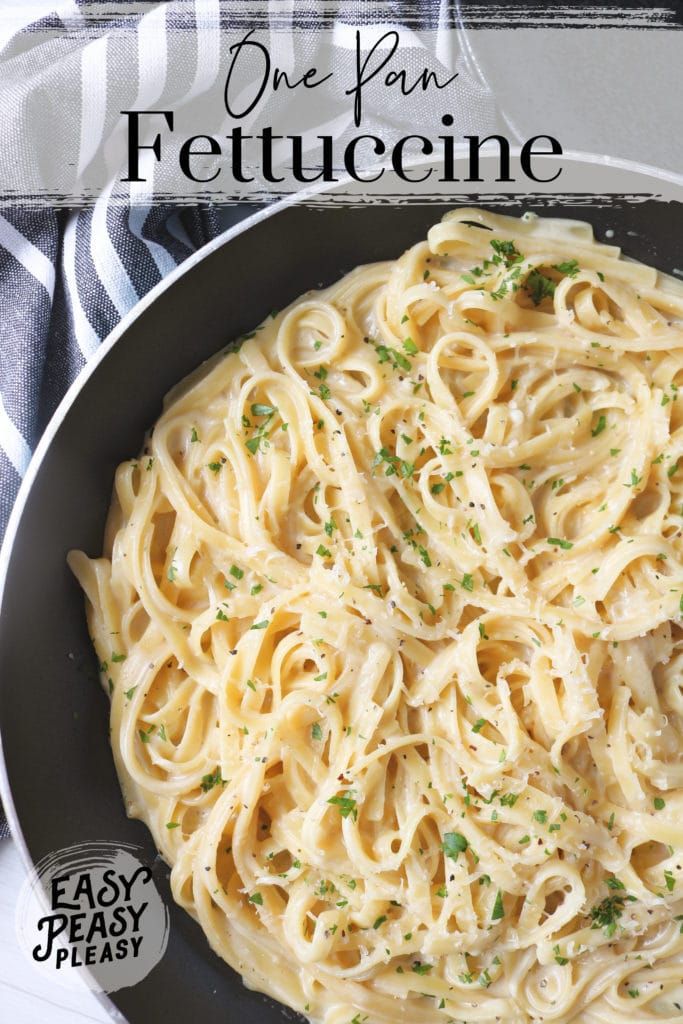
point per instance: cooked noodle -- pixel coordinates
(390, 615)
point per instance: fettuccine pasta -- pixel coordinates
(389, 612)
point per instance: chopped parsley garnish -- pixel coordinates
(392, 461)
(505, 252)
(561, 960)
(424, 556)
(498, 910)
(214, 778)
(568, 267)
(454, 843)
(258, 409)
(607, 913)
(558, 542)
(539, 287)
(386, 354)
(256, 898)
(602, 423)
(346, 805)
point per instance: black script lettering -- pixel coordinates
(136, 915)
(58, 890)
(365, 73)
(129, 883)
(56, 924)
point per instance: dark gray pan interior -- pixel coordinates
(53, 716)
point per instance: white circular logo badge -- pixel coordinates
(92, 914)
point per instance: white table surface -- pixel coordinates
(26, 997)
